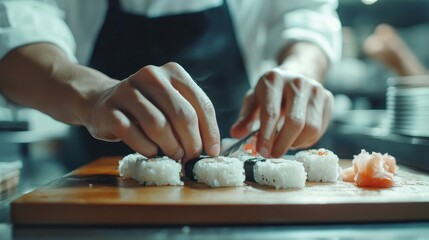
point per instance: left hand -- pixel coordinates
(294, 111)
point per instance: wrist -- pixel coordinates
(85, 86)
(304, 58)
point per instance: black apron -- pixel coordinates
(203, 43)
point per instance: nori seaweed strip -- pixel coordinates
(249, 168)
(189, 167)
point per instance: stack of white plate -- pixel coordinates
(408, 105)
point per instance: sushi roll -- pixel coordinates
(216, 172)
(129, 165)
(321, 165)
(276, 172)
(249, 166)
(159, 171)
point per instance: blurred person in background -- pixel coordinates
(172, 75)
(386, 46)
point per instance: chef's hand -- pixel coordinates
(294, 111)
(157, 107)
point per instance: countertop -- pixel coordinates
(405, 230)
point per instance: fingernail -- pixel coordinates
(214, 149)
(264, 152)
(179, 154)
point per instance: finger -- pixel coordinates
(269, 94)
(204, 108)
(154, 124)
(248, 114)
(328, 100)
(327, 111)
(132, 135)
(184, 120)
(294, 119)
(314, 119)
(179, 112)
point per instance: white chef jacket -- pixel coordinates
(262, 27)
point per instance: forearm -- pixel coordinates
(304, 58)
(406, 63)
(40, 76)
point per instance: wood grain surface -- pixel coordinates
(95, 194)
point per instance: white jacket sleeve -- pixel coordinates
(314, 21)
(26, 22)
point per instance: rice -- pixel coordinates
(321, 165)
(129, 165)
(279, 173)
(151, 172)
(218, 171)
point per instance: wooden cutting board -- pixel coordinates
(95, 194)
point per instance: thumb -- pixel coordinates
(248, 114)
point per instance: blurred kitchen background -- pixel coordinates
(359, 83)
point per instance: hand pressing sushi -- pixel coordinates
(293, 108)
(294, 111)
(296, 103)
(157, 107)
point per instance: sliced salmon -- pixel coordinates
(371, 170)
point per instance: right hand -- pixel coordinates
(294, 111)
(157, 107)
